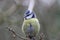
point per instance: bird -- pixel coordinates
(31, 25)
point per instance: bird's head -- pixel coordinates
(29, 15)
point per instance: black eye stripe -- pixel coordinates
(28, 15)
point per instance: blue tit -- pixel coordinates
(31, 24)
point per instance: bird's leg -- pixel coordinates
(30, 37)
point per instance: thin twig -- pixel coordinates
(42, 36)
(10, 29)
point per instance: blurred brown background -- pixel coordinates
(47, 11)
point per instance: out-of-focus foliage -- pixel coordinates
(48, 13)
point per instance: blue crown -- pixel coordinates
(27, 13)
